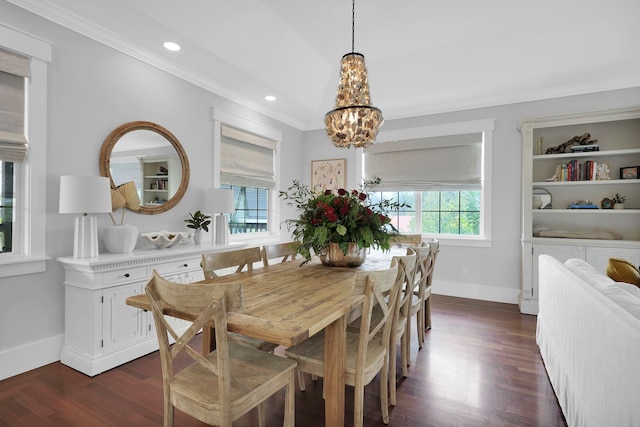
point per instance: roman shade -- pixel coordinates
(440, 163)
(246, 159)
(14, 69)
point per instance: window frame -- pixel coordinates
(221, 117)
(29, 245)
(486, 126)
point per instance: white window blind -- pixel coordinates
(14, 69)
(246, 159)
(427, 164)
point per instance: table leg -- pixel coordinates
(334, 375)
(208, 340)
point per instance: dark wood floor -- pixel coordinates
(480, 366)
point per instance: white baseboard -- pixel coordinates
(21, 359)
(475, 291)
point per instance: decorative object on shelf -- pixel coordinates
(85, 195)
(584, 139)
(220, 201)
(618, 201)
(583, 234)
(199, 222)
(121, 238)
(165, 239)
(603, 172)
(606, 203)
(354, 121)
(630, 172)
(334, 256)
(556, 175)
(584, 148)
(340, 217)
(327, 174)
(541, 199)
(583, 204)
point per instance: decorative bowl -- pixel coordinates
(165, 239)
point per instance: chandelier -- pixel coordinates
(354, 121)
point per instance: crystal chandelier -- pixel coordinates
(354, 121)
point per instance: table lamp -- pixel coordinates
(219, 202)
(85, 195)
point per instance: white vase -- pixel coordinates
(198, 236)
(618, 206)
(120, 238)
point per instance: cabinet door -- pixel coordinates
(559, 252)
(599, 256)
(122, 324)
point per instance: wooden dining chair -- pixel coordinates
(221, 386)
(400, 317)
(234, 262)
(404, 240)
(367, 347)
(286, 251)
(421, 292)
(434, 246)
(239, 259)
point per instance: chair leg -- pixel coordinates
(404, 351)
(420, 327)
(261, 422)
(289, 402)
(427, 313)
(358, 405)
(384, 390)
(301, 380)
(392, 371)
(168, 413)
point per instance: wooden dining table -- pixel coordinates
(285, 304)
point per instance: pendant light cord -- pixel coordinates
(353, 26)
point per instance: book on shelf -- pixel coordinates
(579, 171)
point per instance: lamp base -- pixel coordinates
(222, 230)
(85, 237)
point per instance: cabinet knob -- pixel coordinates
(185, 265)
(126, 274)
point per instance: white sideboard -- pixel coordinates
(101, 331)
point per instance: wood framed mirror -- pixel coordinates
(150, 156)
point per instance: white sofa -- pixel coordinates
(589, 337)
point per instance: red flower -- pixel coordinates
(342, 192)
(327, 192)
(362, 196)
(331, 216)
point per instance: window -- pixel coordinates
(247, 162)
(441, 173)
(22, 152)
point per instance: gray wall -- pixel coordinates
(93, 89)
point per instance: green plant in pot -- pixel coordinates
(348, 220)
(199, 222)
(618, 201)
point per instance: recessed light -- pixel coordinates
(270, 98)
(174, 47)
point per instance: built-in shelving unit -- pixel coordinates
(618, 136)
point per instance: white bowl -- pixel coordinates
(164, 239)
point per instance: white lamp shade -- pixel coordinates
(85, 194)
(220, 200)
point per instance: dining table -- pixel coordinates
(286, 303)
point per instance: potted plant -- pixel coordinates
(199, 222)
(340, 221)
(618, 201)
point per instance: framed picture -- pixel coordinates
(328, 174)
(631, 172)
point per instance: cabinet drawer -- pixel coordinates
(125, 275)
(176, 267)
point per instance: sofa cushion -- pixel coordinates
(621, 270)
(587, 273)
(631, 289)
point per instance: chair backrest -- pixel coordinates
(287, 251)
(434, 244)
(406, 285)
(424, 267)
(380, 289)
(401, 240)
(208, 302)
(239, 258)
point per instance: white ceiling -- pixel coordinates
(423, 56)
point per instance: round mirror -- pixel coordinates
(150, 156)
(541, 199)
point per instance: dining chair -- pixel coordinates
(422, 291)
(213, 262)
(287, 251)
(400, 317)
(221, 386)
(434, 246)
(238, 258)
(403, 240)
(367, 352)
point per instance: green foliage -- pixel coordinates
(339, 217)
(198, 221)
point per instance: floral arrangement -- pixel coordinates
(124, 196)
(339, 217)
(619, 199)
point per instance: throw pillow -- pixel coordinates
(621, 270)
